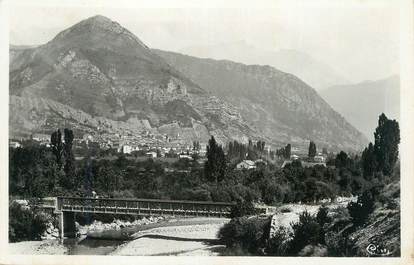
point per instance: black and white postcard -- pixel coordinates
(227, 132)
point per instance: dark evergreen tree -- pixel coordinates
(387, 138)
(360, 210)
(69, 166)
(312, 150)
(341, 160)
(215, 166)
(196, 146)
(287, 151)
(284, 152)
(57, 147)
(260, 146)
(369, 161)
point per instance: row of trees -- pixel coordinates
(284, 152)
(36, 171)
(251, 151)
(64, 156)
(33, 170)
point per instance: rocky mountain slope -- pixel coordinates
(101, 71)
(315, 73)
(362, 103)
(96, 76)
(278, 104)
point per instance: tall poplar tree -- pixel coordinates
(312, 150)
(387, 138)
(215, 166)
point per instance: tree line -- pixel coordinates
(37, 171)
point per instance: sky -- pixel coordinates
(360, 41)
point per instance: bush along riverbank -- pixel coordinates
(27, 222)
(368, 227)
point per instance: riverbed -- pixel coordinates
(190, 236)
(184, 236)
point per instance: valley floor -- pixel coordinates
(190, 236)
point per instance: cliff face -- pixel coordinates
(103, 71)
(278, 104)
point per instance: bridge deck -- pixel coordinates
(143, 207)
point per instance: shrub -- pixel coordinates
(322, 216)
(337, 232)
(314, 251)
(278, 244)
(305, 232)
(198, 194)
(361, 209)
(242, 208)
(272, 193)
(322, 219)
(220, 194)
(250, 234)
(338, 244)
(25, 224)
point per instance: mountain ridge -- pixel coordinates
(279, 99)
(97, 67)
(374, 97)
(315, 73)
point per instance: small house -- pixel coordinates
(294, 157)
(183, 156)
(14, 144)
(151, 154)
(246, 164)
(126, 149)
(319, 159)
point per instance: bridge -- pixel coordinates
(67, 207)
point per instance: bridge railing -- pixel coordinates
(143, 206)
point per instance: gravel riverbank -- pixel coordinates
(196, 236)
(45, 247)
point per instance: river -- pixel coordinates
(188, 236)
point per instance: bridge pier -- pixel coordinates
(67, 227)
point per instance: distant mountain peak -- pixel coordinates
(98, 24)
(99, 18)
(102, 22)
